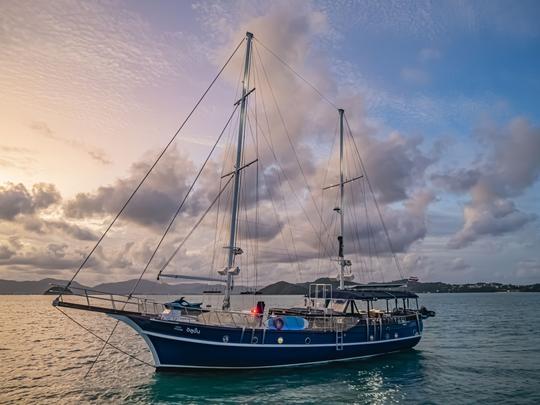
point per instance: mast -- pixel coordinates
(341, 193)
(231, 270)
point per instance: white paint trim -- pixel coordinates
(278, 365)
(143, 334)
(214, 343)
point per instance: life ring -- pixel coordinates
(278, 323)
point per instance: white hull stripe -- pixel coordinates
(214, 343)
(277, 365)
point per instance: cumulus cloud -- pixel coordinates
(510, 166)
(301, 129)
(405, 226)
(16, 199)
(156, 200)
(6, 252)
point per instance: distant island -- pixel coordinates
(285, 288)
(148, 287)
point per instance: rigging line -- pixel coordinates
(269, 144)
(256, 256)
(153, 165)
(219, 225)
(105, 343)
(184, 200)
(371, 236)
(375, 201)
(216, 230)
(319, 248)
(289, 139)
(256, 252)
(355, 216)
(287, 216)
(196, 225)
(298, 75)
(103, 340)
(294, 193)
(280, 224)
(226, 154)
(277, 216)
(372, 240)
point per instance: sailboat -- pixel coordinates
(337, 322)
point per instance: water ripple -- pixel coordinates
(480, 348)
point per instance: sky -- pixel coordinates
(441, 98)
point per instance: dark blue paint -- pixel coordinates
(260, 353)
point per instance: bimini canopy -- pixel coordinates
(369, 295)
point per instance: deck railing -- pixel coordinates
(93, 300)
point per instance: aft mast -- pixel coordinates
(343, 263)
(231, 270)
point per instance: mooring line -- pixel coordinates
(103, 340)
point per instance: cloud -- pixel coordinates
(6, 252)
(509, 166)
(441, 268)
(458, 264)
(457, 181)
(74, 230)
(404, 164)
(16, 157)
(405, 226)
(95, 153)
(16, 199)
(155, 202)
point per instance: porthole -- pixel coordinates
(396, 335)
(371, 337)
(280, 340)
(254, 339)
(308, 341)
(225, 339)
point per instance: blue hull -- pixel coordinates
(184, 345)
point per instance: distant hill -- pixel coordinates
(146, 287)
(285, 288)
(149, 287)
(31, 287)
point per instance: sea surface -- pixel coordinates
(480, 348)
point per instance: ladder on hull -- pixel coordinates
(339, 336)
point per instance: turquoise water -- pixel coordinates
(480, 348)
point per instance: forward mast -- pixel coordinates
(231, 270)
